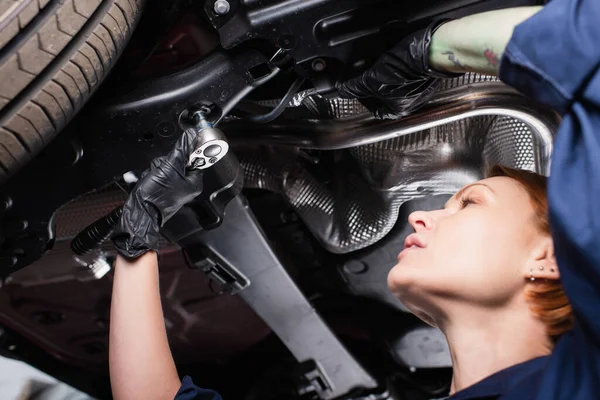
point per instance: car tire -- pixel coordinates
(53, 55)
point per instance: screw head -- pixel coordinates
(221, 7)
(198, 162)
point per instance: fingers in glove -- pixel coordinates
(353, 89)
(179, 155)
(156, 162)
(196, 176)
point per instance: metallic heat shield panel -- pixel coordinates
(356, 203)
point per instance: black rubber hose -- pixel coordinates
(276, 112)
(96, 233)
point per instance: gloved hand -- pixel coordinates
(400, 81)
(158, 195)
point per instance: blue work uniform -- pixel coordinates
(554, 58)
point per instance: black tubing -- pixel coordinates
(276, 112)
(96, 233)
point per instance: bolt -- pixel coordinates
(197, 116)
(165, 129)
(6, 203)
(222, 7)
(319, 65)
(355, 267)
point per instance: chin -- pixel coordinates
(406, 284)
(400, 279)
(407, 280)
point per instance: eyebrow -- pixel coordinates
(463, 190)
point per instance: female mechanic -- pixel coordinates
(511, 277)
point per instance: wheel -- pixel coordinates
(53, 55)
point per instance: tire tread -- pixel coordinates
(46, 86)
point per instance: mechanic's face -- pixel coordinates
(478, 250)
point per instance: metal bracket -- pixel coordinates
(274, 296)
(219, 270)
(313, 380)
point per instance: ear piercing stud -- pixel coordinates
(541, 268)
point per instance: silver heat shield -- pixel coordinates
(470, 126)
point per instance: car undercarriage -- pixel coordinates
(274, 280)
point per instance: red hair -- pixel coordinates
(546, 297)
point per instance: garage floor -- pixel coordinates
(19, 381)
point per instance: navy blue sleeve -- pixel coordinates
(554, 57)
(189, 391)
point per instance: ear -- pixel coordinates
(542, 263)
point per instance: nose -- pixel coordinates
(421, 221)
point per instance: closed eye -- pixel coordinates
(465, 201)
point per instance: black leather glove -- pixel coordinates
(400, 81)
(158, 195)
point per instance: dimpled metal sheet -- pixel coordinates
(74, 216)
(348, 209)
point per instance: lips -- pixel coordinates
(412, 243)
